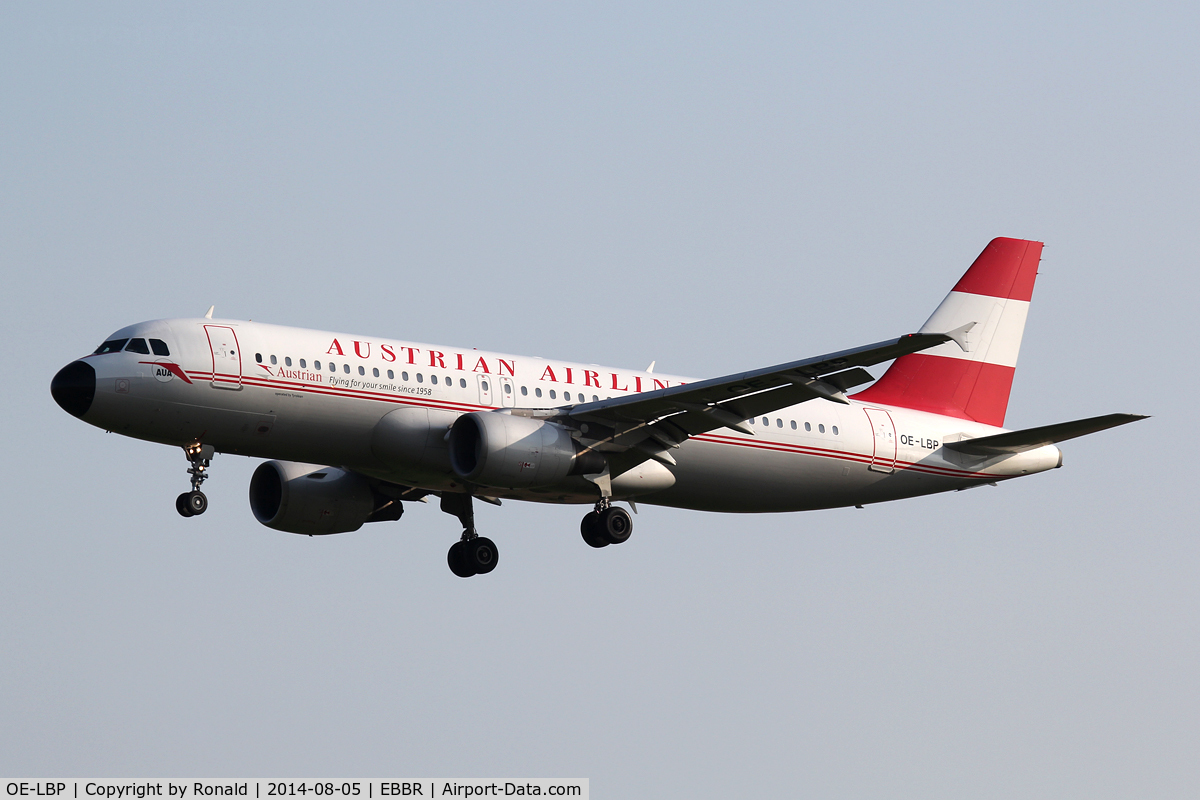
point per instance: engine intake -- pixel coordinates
(491, 448)
(312, 500)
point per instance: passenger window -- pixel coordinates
(524, 391)
(273, 361)
(433, 379)
(137, 346)
(159, 347)
(449, 380)
(462, 382)
(258, 357)
(316, 364)
(835, 433)
(332, 367)
(807, 427)
(778, 423)
(375, 372)
(304, 365)
(391, 375)
(821, 428)
(537, 392)
(111, 346)
(404, 376)
(346, 368)
(552, 397)
(483, 385)
(287, 361)
(766, 422)
(362, 371)
(508, 388)
(793, 424)
(421, 379)
(595, 399)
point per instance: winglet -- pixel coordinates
(959, 336)
(651, 367)
(211, 309)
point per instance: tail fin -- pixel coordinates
(994, 294)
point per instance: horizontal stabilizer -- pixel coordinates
(1033, 438)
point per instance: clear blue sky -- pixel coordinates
(715, 188)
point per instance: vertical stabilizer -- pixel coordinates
(994, 294)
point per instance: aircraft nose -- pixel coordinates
(74, 388)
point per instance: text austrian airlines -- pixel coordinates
(400, 420)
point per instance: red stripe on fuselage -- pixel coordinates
(711, 438)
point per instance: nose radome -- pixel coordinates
(74, 388)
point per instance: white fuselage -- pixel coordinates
(318, 397)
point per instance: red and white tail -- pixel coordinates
(994, 294)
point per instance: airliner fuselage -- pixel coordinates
(401, 420)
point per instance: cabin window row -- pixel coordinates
(448, 381)
(579, 397)
(375, 373)
(766, 423)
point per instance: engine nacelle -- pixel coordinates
(496, 449)
(304, 498)
(411, 440)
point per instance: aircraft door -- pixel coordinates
(226, 357)
(508, 392)
(485, 390)
(883, 432)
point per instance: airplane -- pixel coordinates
(357, 425)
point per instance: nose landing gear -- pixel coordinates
(189, 504)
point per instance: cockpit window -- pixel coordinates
(137, 346)
(111, 346)
(159, 347)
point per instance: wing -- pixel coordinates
(633, 428)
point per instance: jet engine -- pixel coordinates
(312, 500)
(411, 440)
(491, 448)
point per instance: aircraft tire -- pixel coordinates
(590, 529)
(615, 525)
(481, 555)
(197, 503)
(181, 505)
(457, 560)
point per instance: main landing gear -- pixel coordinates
(472, 554)
(607, 524)
(477, 555)
(189, 504)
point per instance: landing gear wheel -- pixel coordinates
(189, 504)
(181, 505)
(481, 554)
(615, 525)
(590, 528)
(457, 560)
(197, 503)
